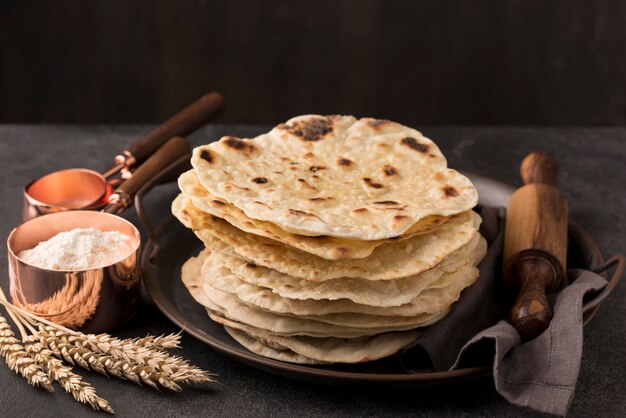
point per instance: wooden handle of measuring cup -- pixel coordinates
(173, 150)
(183, 123)
(535, 244)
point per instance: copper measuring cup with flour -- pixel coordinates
(79, 188)
(101, 297)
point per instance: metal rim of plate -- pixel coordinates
(161, 276)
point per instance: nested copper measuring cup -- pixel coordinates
(79, 188)
(92, 300)
(101, 297)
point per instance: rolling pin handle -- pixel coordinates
(537, 272)
(539, 167)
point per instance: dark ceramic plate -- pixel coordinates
(161, 271)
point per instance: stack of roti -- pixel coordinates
(328, 239)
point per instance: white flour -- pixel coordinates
(78, 249)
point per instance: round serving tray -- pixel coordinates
(172, 244)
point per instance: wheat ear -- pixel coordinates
(122, 368)
(71, 382)
(174, 368)
(19, 360)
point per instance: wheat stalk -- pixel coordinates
(69, 381)
(19, 360)
(171, 367)
(164, 370)
(179, 369)
(139, 360)
(106, 364)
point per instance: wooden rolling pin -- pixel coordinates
(535, 244)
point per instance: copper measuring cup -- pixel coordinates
(91, 300)
(101, 297)
(79, 188)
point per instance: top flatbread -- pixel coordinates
(363, 179)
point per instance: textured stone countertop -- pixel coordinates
(593, 179)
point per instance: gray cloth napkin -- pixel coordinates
(540, 374)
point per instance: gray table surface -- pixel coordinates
(593, 178)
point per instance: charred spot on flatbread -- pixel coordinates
(239, 145)
(413, 144)
(371, 183)
(312, 129)
(389, 170)
(344, 162)
(450, 191)
(206, 155)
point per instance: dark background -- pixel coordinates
(455, 62)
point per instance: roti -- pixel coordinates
(263, 289)
(255, 346)
(330, 248)
(363, 179)
(387, 262)
(331, 350)
(228, 307)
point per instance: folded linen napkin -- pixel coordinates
(540, 374)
